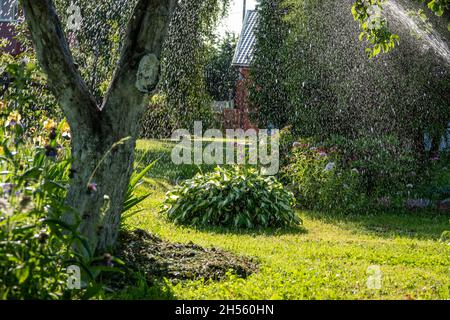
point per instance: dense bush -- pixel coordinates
(156, 122)
(287, 138)
(220, 75)
(35, 249)
(385, 165)
(236, 197)
(97, 45)
(350, 174)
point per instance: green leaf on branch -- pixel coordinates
(374, 27)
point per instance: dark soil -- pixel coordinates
(156, 259)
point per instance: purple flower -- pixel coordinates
(435, 158)
(7, 187)
(108, 260)
(330, 166)
(92, 187)
(50, 151)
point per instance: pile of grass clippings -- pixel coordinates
(155, 258)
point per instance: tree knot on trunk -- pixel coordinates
(148, 72)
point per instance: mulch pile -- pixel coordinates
(157, 259)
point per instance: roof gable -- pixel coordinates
(245, 48)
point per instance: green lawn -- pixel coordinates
(327, 259)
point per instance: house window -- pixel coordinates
(8, 10)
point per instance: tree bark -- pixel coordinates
(101, 168)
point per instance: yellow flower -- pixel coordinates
(39, 141)
(2, 152)
(65, 127)
(3, 104)
(13, 119)
(65, 130)
(49, 124)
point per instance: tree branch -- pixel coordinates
(138, 69)
(137, 72)
(54, 56)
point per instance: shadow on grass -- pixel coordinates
(293, 230)
(142, 290)
(423, 224)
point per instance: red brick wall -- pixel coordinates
(239, 118)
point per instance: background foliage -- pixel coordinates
(183, 97)
(220, 75)
(24, 88)
(334, 90)
(270, 68)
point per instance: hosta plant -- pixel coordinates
(235, 197)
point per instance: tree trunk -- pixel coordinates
(102, 163)
(101, 167)
(101, 173)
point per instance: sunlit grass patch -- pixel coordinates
(326, 259)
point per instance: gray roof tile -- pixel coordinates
(244, 51)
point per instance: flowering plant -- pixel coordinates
(317, 177)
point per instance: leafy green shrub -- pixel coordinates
(35, 252)
(233, 197)
(435, 180)
(318, 180)
(345, 174)
(287, 139)
(386, 166)
(155, 123)
(35, 244)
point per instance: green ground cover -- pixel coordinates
(327, 258)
